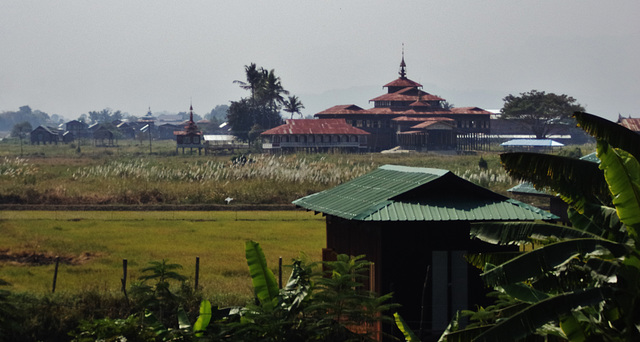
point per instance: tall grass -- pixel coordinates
(95, 243)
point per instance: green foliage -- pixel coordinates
(293, 105)
(578, 283)
(541, 113)
(311, 307)
(158, 297)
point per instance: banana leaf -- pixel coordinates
(622, 172)
(546, 259)
(264, 282)
(599, 220)
(509, 233)
(524, 293)
(203, 319)
(560, 174)
(527, 321)
(480, 260)
(409, 335)
(616, 135)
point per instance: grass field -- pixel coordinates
(95, 243)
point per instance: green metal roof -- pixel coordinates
(527, 188)
(402, 193)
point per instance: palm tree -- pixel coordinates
(271, 91)
(580, 282)
(293, 105)
(254, 78)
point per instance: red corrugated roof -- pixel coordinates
(469, 110)
(403, 82)
(342, 109)
(407, 94)
(631, 123)
(427, 123)
(315, 126)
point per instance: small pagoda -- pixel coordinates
(190, 137)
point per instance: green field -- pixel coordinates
(95, 243)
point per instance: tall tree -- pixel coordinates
(293, 105)
(20, 131)
(250, 116)
(271, 91)
(254, 79)
(541, 113)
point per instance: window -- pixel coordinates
(358, 123)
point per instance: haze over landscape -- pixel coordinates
(71, 57)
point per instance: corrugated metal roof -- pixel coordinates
(527, 189)
(402, 193)
(532, 143)
(315, 126)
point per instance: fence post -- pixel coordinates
(197, 272)
(124, 276)
(280, 272)
(55, 275)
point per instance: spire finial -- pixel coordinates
(190, 110)
(403, 66)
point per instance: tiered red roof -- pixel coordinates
(190, 128)
(313, 126)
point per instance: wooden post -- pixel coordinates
(280, 272)
(197, 272)
(55, 275)
(124, 276)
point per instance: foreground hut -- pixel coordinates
(413, 223)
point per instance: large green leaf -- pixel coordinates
(599, 220)
(264, 282)
(616, 135)
(622, 172)
(524, 293)
(406, 331)
(545, 259)
(535, 316)
(560, 174)
(203, 319)
(508, 233)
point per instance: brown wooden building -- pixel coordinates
(314, 136)
(414, 223)
(404, 98)
(190, 137)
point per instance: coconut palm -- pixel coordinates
(271, 91)
(581, 282)
(254, 79)
(293, 105)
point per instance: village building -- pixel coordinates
(44, 135)
(103, 137)
(77, 129)
(630, 123)
(469, 128)
(190, 137)
(414, 223)
(315, 136)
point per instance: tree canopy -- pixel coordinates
(249, 116)
(541, 113)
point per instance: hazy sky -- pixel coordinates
(71, 57)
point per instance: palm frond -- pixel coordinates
(616, 135)
(546, 259)
(509, 233)
(560, 174)
(622, 173)
(535, 316)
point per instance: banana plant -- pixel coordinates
(579, 283)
